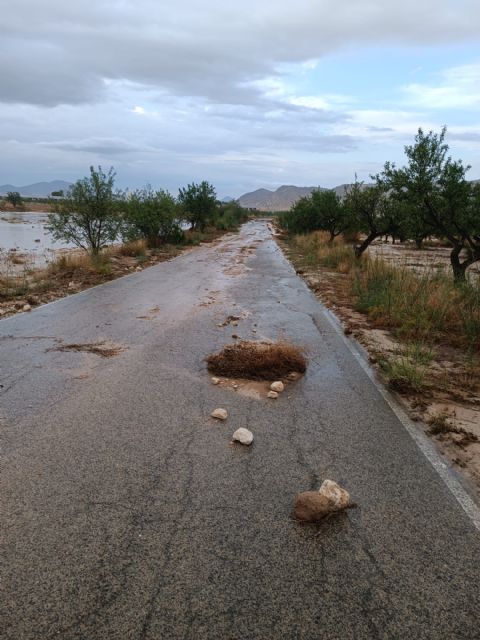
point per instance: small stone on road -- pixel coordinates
(219, 414)
(243, 435)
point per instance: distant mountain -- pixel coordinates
(284, 197)
(280, 200)
(39, 189)
(227, 199)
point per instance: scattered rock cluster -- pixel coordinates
(309, 506)
(244, 436)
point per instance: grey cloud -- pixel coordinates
(63, 52)
(310, 141)
(101, 146)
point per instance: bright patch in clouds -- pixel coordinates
(242, 94)
(458, 88)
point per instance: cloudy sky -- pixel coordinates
(247, 94)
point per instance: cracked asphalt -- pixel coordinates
(127, 514)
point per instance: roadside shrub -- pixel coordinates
(195, 237)
(153, 216)
(229, 216)
(403, 375)
(133, 248)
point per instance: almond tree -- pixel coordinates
(439, 198)
(370, 211)
(89, 215)
(330, 212)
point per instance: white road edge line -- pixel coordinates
(421, 440)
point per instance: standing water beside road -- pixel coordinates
(25, 234)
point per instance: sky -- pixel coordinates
(243, 94)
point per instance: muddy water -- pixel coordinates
(25, 233)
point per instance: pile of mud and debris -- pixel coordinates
(258, 360)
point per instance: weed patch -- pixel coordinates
(403, 375)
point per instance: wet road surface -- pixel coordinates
(126, 514)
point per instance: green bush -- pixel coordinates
(153, 215)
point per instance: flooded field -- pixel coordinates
(24, 240)
(430, 258)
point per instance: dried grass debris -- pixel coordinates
(104, 349)
(258, 360)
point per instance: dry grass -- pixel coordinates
(333, 255)
(133, 248)
(258, 360)
(426, 307)
(82, 266)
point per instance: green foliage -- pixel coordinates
(321, 211)
(370, 211)
(229, 215)
(404, 375)
(332, 215)
(152, 215)
(14, 198)
(198, 204)
(89, 216)
(439, 198)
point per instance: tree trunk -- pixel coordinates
(459, 268)
(332, 237)
(419, 242)
(359, 249)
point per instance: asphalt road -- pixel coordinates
(127, 514)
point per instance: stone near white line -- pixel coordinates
(26, 307)
(338, 496)
(272, 394)
(243, 435)
(277, 386)
(219, 414)
(215, 380)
